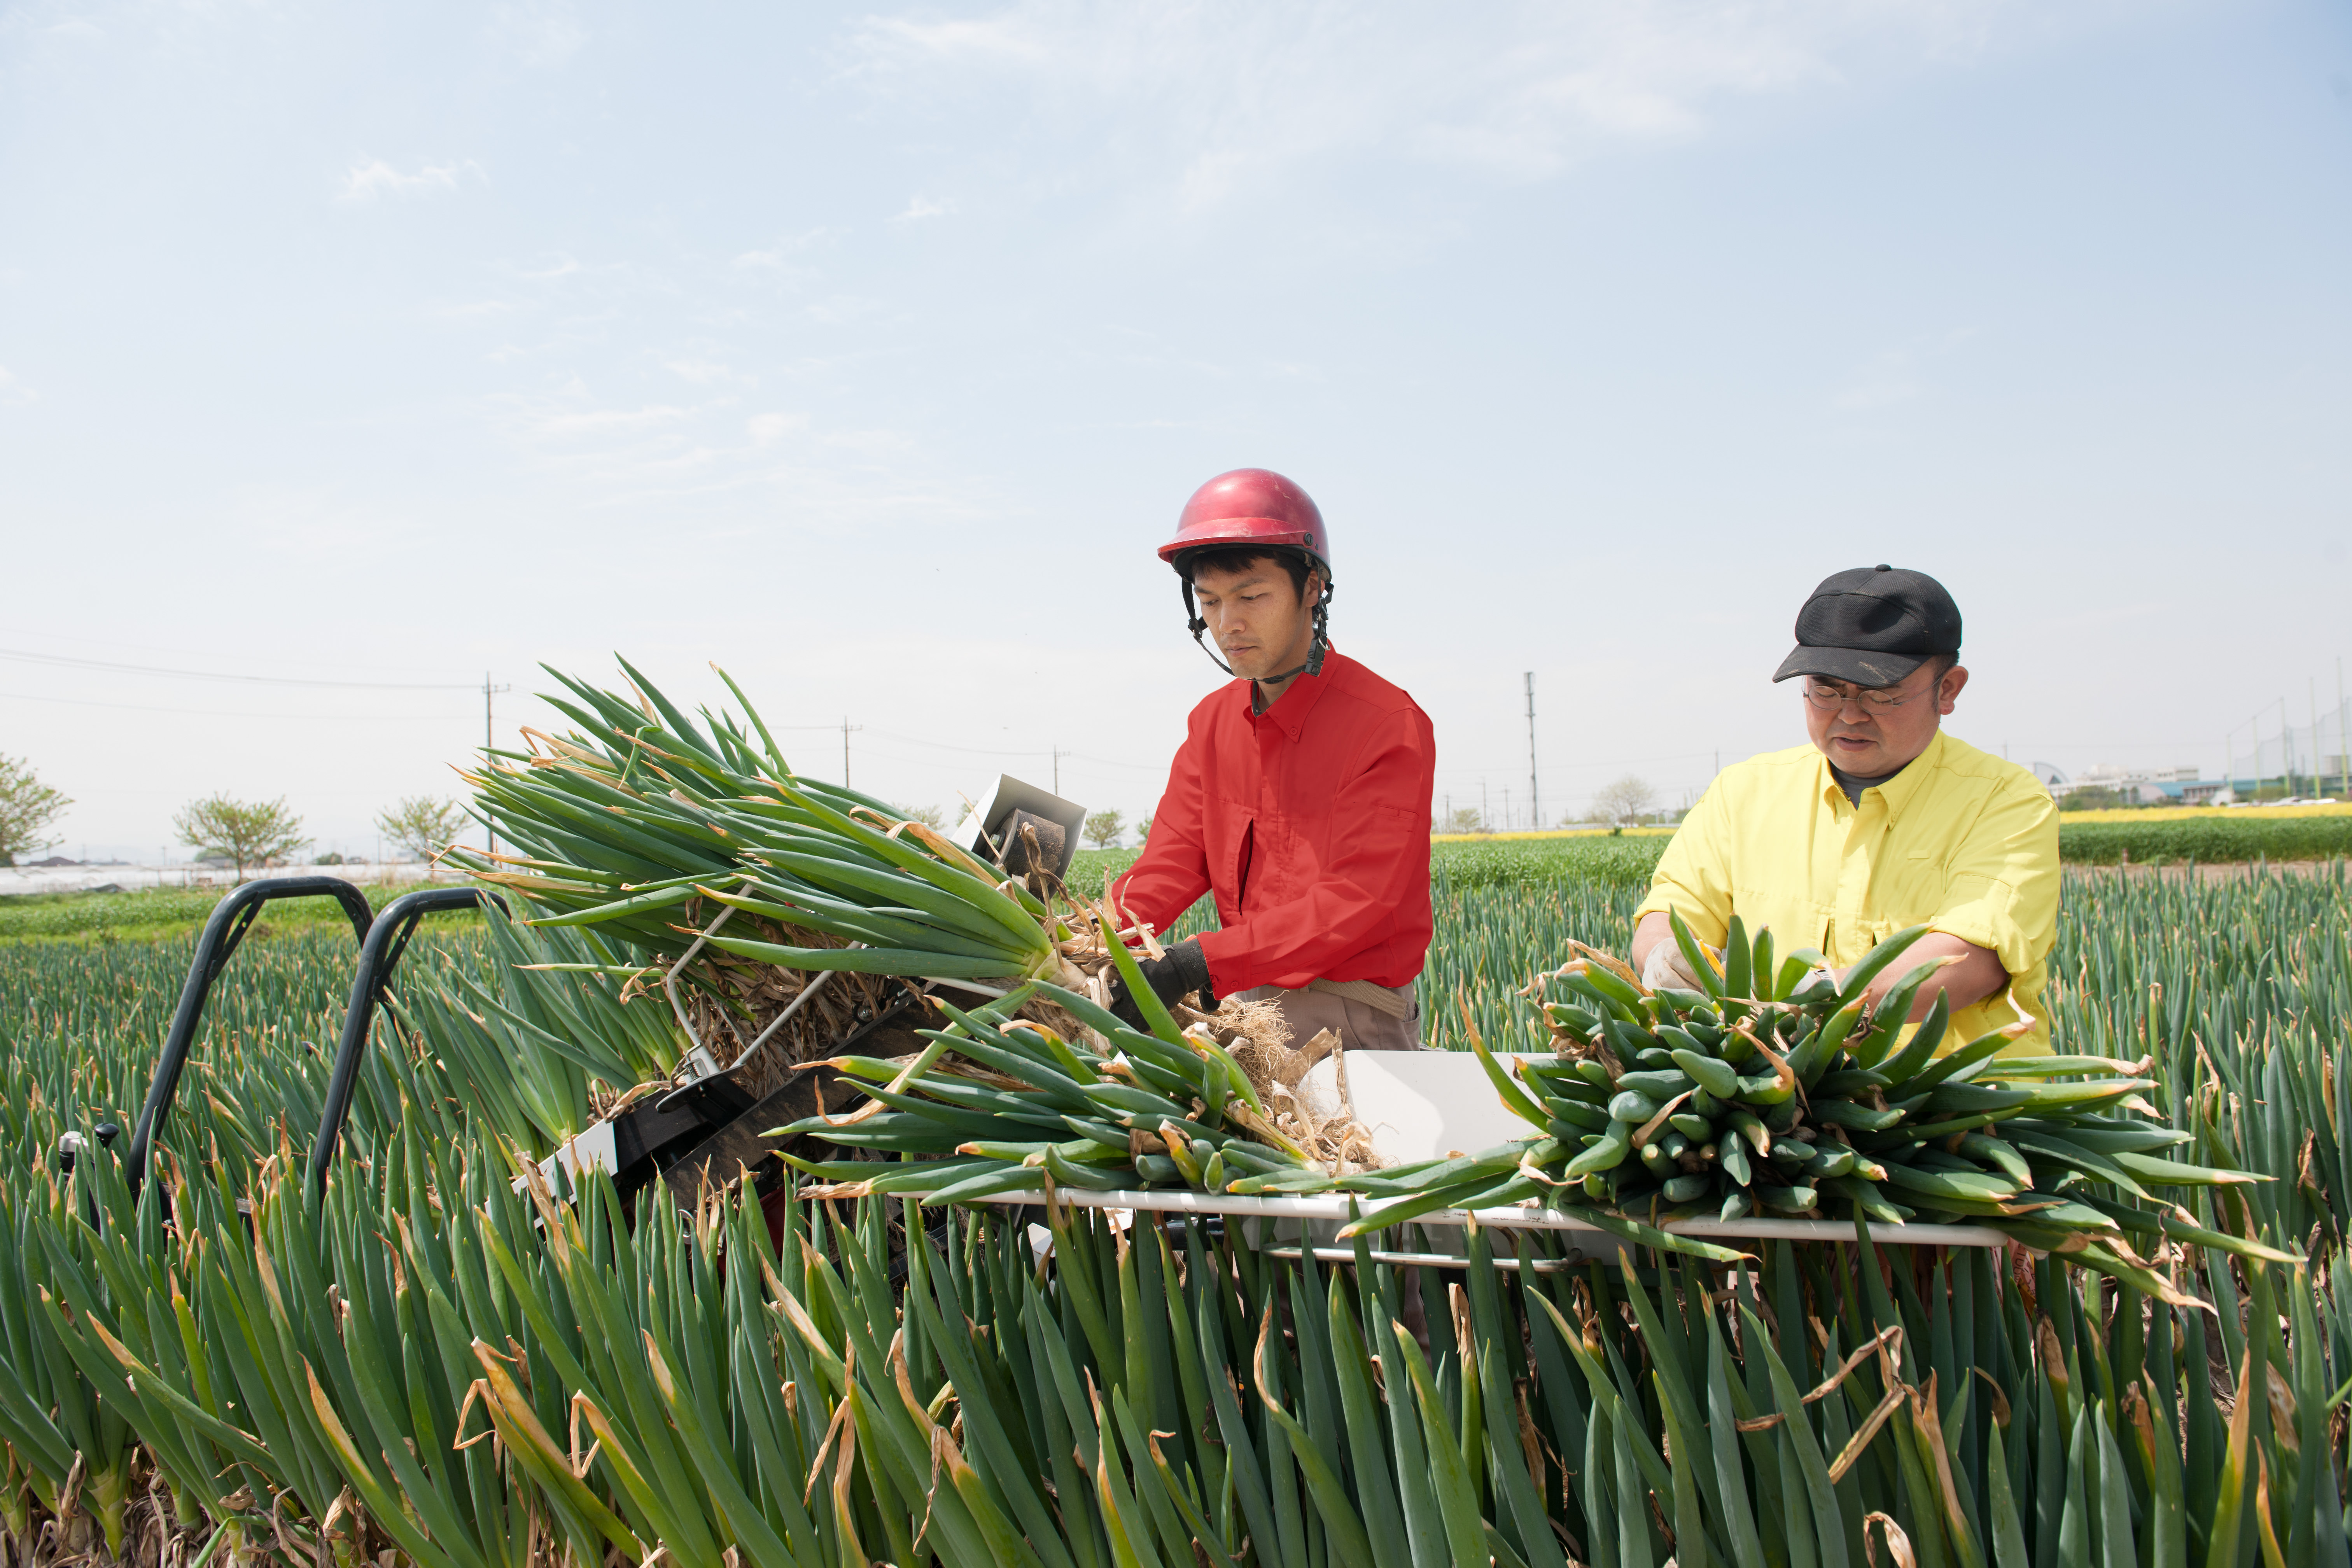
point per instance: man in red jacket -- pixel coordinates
(1301, 796)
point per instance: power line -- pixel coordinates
(975, 751)
(228, 713)
(1475, 769)
(1009, 750)
(68, 662)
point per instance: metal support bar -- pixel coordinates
(226, 926)
(698, 1059)
(1342, 1209)
(379, 955)
(1427, 1260)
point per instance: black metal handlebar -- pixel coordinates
(230, 920)
(379, 955)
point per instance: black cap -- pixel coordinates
(1872, 625)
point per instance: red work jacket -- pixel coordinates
(1310, 823)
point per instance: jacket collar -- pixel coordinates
(1297, 700)
(1897, 792)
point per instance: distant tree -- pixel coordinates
(422, 825)
(1143, 829)
(27, 809)
(1462, 819)
(1104, 828)
(2094, 797)
(245, 833)
(1624, 802)
(929, 815)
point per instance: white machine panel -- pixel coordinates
(1417, 1105)
(593, 1150)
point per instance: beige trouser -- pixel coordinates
(1361, 1026)
(1392, 1025)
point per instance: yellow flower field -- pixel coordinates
(2068, 818)
(2175, 813)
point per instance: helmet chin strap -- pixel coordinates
(1315, 650)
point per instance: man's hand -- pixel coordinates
(1667, 966)
(1183, 968)
(1659, 957)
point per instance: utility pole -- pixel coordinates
(2318, 759)
(1506, 808)
(488, 690)
(2286, 753)
(2343, 739)
(1057, 767)
(1485, 825)
(848, 730)
(1535, 796)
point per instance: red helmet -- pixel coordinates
(1255, 507)
(1251, 507)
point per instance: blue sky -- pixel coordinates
(870, 351)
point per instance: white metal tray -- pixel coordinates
(1336, 1210)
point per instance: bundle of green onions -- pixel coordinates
(669, 840)
(998, 1103)
(695, 853)
(1775, 1090)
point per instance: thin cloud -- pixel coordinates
(605, 423)
(920, 207)
(1222, 94)
(623, 454)
(844, 309)
(1868, 396)
(540, 35)
(468, 310)
(1882, 386)
(706, 372)
(783, 256)
(15, 394)
(373, 178)
(1900, 374)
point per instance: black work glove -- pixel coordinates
(1184, 968)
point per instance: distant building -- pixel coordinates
(2143, 786)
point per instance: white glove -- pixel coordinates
(1666, 966)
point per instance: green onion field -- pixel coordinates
(434, 1366)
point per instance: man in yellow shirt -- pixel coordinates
(1882, 823)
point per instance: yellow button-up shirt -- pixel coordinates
(1963, 842)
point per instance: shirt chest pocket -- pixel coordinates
(1921, 879)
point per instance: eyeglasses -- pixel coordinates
(1830, 698)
